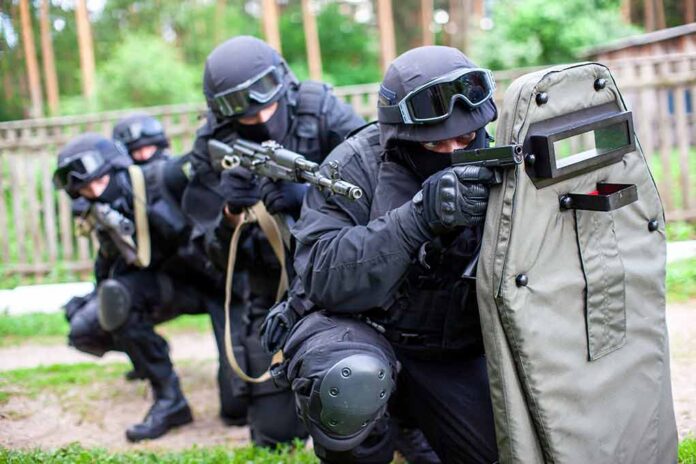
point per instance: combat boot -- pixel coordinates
(169, 410)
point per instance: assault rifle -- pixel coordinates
(270, 159)
(120, 229)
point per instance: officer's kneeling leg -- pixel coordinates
(342, 372)
(86, 333)
(114, 304)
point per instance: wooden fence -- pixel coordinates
(36, 224)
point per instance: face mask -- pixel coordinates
(273, 129)
(111, 193)
(424, 163)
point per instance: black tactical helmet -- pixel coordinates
(139, 130)
(434, 93)
(87, 157)
(242, 76)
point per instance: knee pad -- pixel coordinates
(114, 304)
(353, 394)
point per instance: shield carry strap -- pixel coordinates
(142, 226)
(258, 214)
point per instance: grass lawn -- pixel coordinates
(53, 328)
(243, 455)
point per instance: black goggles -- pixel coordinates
(434, 101)
(147, 127)
(260, 88)
(77, 169)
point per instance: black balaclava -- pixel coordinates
(112, 191)
(273, 129)
(424, 163)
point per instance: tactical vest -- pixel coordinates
(434, 312)
(307, 133)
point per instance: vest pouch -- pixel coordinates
(602, 267)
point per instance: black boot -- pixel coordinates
(170, 410)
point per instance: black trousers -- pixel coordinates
(449, 400)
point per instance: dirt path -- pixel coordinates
(98, 414)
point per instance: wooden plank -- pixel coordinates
(4, 243)
(647, 113)
(33, 211)
(683, 144)
(49, 207)
(66, 226)
(17, 187)
(665, 151)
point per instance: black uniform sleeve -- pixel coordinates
(347, 262)
(341, 119)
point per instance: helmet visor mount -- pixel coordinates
(77, 169)
(434, 101)
(261, 88)
(148, 127)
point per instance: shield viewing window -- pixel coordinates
(579, 142)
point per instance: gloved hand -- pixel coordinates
(457, 196)
(277, 326)
(240, 189)
(282, 197)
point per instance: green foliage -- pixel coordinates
(349, 50)
(687, 451)
(539, 32)
(681, 280)
(681, 230)
(144, 70)
(75, 453)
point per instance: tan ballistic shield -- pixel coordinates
(571, 280)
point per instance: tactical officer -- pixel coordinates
(252, 94)
(141, 282)
(143, 136)
(387, 268)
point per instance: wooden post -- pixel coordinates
(311, 40)
(84, 39)
(426, 13)
(660, 22)
(49, 63)
(649, 6)
(30, 60)
(689, 11)
(387, 41)
(271, 30)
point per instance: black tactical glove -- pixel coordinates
(277, 326)
(282, 197)
(457, 196)
(239, 188)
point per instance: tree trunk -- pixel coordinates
(49, 64)
(626, 10)
(220, 34)
(311, 40)
(689, 11)
(649, 6)
(426, 11)
(660, 14)
(30, 60)
(271, 31)
(387, 40)
(458, 26)
(84, 39)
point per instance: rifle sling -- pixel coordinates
(258, 214)
(142, 226)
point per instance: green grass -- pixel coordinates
(52, 328)
(681, 230)
(57, 378)
(681, 280)
(687, 451)
(77, 454)
(658, 171)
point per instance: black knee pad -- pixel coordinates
(114, 304)
(85, 332)
(342, 372)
